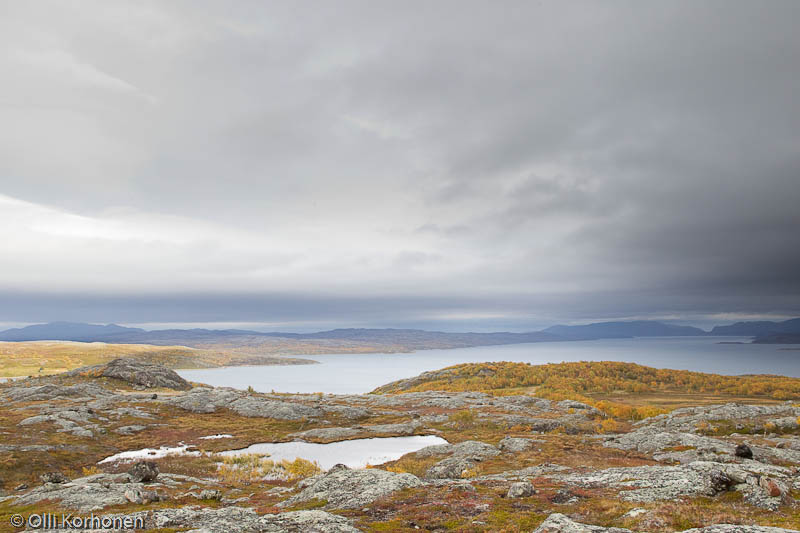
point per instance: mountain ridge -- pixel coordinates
(637, 328)
(763, 331)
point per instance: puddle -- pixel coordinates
(357, 453)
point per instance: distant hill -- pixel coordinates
(405, 339)
(761, 329)
(364, 340)
(618, 330)
(68, 331)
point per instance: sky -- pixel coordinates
(450, 165)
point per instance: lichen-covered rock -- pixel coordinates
(403, 428)
(208, 400)
(521, 489)
(343, 488)
(655, 483)
(255, 406)
(83, 494)
(454, 467)
(54, 477)
(129, 430)
(731, 528)
(143, 497)
(143, 472)
(137, 372)
(661, 443)
(341, 433)
(464, 456)
(244, 520)
(326, 434)
(98, 491)
(49, 391)
(558, 523)
(514, 445)
(305, 522)
(65, 420)
(651, 440)
(720, 481)
(689, 419)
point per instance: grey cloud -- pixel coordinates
(540, 159)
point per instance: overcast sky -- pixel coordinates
(462, 165)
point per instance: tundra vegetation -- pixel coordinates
(38, 358)
(531, 448)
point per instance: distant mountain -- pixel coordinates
(396, 339)
(67, 331)
(410, 339)
(758, 329)
(620, 330)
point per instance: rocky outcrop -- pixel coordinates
(98, 491)
(677, 436)
(514, 445)
(208, 400)
(305, 522)
(743, 416)
(73, 420)
(342, 433)
(143, 374)
(88, 494)
(243, 520)
(701, 478)
(558, 523)
(326, 434)
(236, 520)
(523, 474)
(343, 488)
(463, 457)
(52, 391)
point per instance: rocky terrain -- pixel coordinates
(513, 462)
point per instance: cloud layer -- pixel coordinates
(364, 163)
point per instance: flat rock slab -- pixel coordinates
(658, 483)
(242, 520)
(463, 457)
(96, 492)
(344, 488)
(558, 523)
(235, 520)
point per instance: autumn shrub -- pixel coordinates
(609, 425)
(249, 468)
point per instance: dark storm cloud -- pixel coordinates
(411, 162)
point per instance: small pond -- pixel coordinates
(357, 453)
